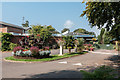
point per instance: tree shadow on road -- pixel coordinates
(115, 62)
(59, 74)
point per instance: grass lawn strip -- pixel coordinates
(51, 58)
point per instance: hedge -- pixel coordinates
(104, 46)
(5, 39)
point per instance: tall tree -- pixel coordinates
(104, 14)
(102, 33)
(52, 30)
(83, 31)
(41, 32)
(26, 24)
(64, 30)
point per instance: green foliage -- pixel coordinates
(41, 32)
(68, 41)
(101, 73)
(5, 41)
(83, 31)
(103, 46)
(64, 30)
(99, 39)
(115, 32)
(26, 24)
(80, 43)
(12, 46)
(107, 38)
(101, 14)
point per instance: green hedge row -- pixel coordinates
(5, 39)
(104, 46)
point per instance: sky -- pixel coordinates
(58, 14)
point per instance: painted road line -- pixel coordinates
(78, 64)
(64, 62)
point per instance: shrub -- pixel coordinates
(35, 51)
(44, 53)
(101, 73)
(5, 41)
(47, 48)
(80, 43)
(12, 46)
(18, 48)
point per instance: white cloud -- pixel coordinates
(68, 24)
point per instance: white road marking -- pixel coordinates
(64, 62)
(78, 64)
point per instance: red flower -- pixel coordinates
(25, 50)
(27, 36)
(38, 34)
(22, 37)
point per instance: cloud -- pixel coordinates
(68, 24)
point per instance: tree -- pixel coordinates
(80, 43)
(26, 24)
(52, 30)
(41, 33)
(107, 38)
(104, 14)
(102, 33)
(83, 31)
(69, 42)
(64, 30)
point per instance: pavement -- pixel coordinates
(64, 68)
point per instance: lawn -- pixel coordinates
(51, 58)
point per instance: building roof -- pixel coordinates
(76, 36)
(11, 25)
(27, 28)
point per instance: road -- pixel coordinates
(64, 68)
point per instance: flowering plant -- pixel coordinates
(25, 50)
(34, 50)
(47, 48)
(18, 48)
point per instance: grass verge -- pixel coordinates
(51, 58)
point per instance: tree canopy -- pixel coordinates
(64, 30)
(42, 32)
(104, 14)
(83, 31)
(26, 24)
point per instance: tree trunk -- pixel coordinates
(69, 50)
(119, 48)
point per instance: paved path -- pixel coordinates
(64, 68)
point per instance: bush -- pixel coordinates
(12, 46)
(80, 43)
(18, 48)
(5, 41)
(44, 53)
(35, 51)
(101, 73)
(28, 53)
(104, 46)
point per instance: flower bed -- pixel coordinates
(33, 53)
(89, 47)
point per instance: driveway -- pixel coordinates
(64, 68)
